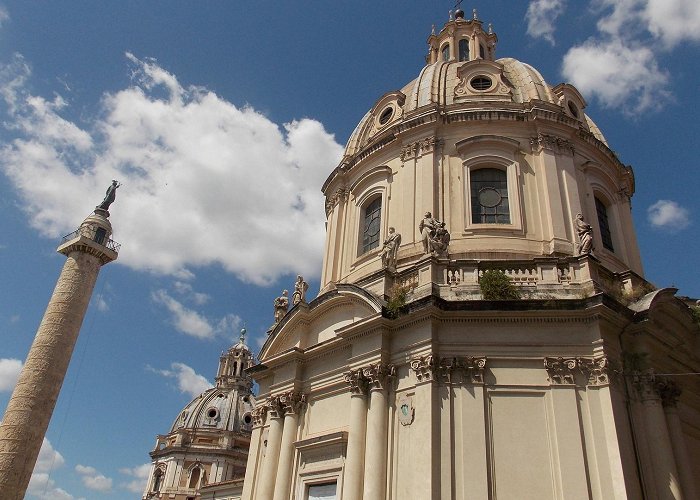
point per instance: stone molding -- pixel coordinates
(428, 368)
(357, 381)
(551, 143)
(341, 194)
(378, 375)
(419, 148)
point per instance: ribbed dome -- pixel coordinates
(477, 84)
(217, 409)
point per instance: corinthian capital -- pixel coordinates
(560, 370)
(378, 374)
(259, 415)
(424, 367)
(287, 402)
(597, 370)
(357, 381)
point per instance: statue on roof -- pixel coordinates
(390, 249)
(281, 306)
(585, 235)
(434, 235)
(110, 195)
(300, 288)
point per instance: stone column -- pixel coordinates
(354, 462)
(377, 425)
(34, 398)
(266, 482)
(666, 477)
(251, 470)
(670, 392)
(292, 402)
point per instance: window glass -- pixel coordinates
(446, 52)
(322, 492)
(464, 50)
(489, 193)
(482, 52)
(371, 223)
(604, 224)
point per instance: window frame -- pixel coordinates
(604, 231)
(373, 245)
(474, 196)
(463, 43)
(445, 56)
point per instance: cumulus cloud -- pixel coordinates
(41, 485)
(140, 473)
(101, 303)
(185, 320)
(9, 373)
(92, 479)
(595, 69)
(667, 214)
(187, 291)
(620, 64)
(541, 16)
(204, 181)
(188, 381)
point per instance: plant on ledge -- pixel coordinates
(397, 299)
(495, 285)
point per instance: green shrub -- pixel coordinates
(397, 299)
(696, 313)
(495, 285)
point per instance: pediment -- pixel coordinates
(310, 324)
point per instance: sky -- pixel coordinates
(222, 119)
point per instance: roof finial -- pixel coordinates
(242, 337)
(490, 29)
(474, 15)
(451, 18)
(459, 13)
(432, 32)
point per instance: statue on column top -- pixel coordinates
(110, 195)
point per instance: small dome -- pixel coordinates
(216, 409)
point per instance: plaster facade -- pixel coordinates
(404, 382)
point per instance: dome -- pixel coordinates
(217, 409)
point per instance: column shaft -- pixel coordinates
(376, 447)
(680, 451)
(266, 483)
(286, 460)
(354, 464)
(34, 398)
(664, 463)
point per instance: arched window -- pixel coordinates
(489, 196)
(157, 480)
(604, 224)
(446, 52)
(371, 219)
(464, 50)
(194, 477)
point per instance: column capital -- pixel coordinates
(357, 381)
(378, 374)
(597, 370)
(286, 403)
(425, 367)
(560, 370)
(259, 414)
(668, 391)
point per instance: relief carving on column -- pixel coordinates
(424, 367)
(596, 370)
(560, 370)
(378, 374)
(259, 415)
(668, 390)
(552, 143)
(357, 381)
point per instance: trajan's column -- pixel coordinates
(29, 410)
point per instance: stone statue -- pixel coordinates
(109, 196)
(281, 306)
(300, 287)
(585, 235)
(440, 240)
(434, 235)
(390, 249)
(427, 227)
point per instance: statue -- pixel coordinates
(434, 235)
(390, 249)
(427, 228)
(585, 235)
(109, 196)
(281, 306)
(300, 287)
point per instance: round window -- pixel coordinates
(212, 413)
(489, 197)
(247, 418)
(481, 83)
(386, 115)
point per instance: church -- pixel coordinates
(483, 329)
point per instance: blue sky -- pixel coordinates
(222, 120)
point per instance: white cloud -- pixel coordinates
(621, 76)
(188, 381)
(101, 303)
(9, 373)
(541, 16)
(4, 15)
(204, 181)
(673, 21)
(185, 320)
(186, 289)
(92, 479)
(140, 473)
(667, 214)
(41, 485)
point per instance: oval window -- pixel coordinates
(386, 115)
(481, 83)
